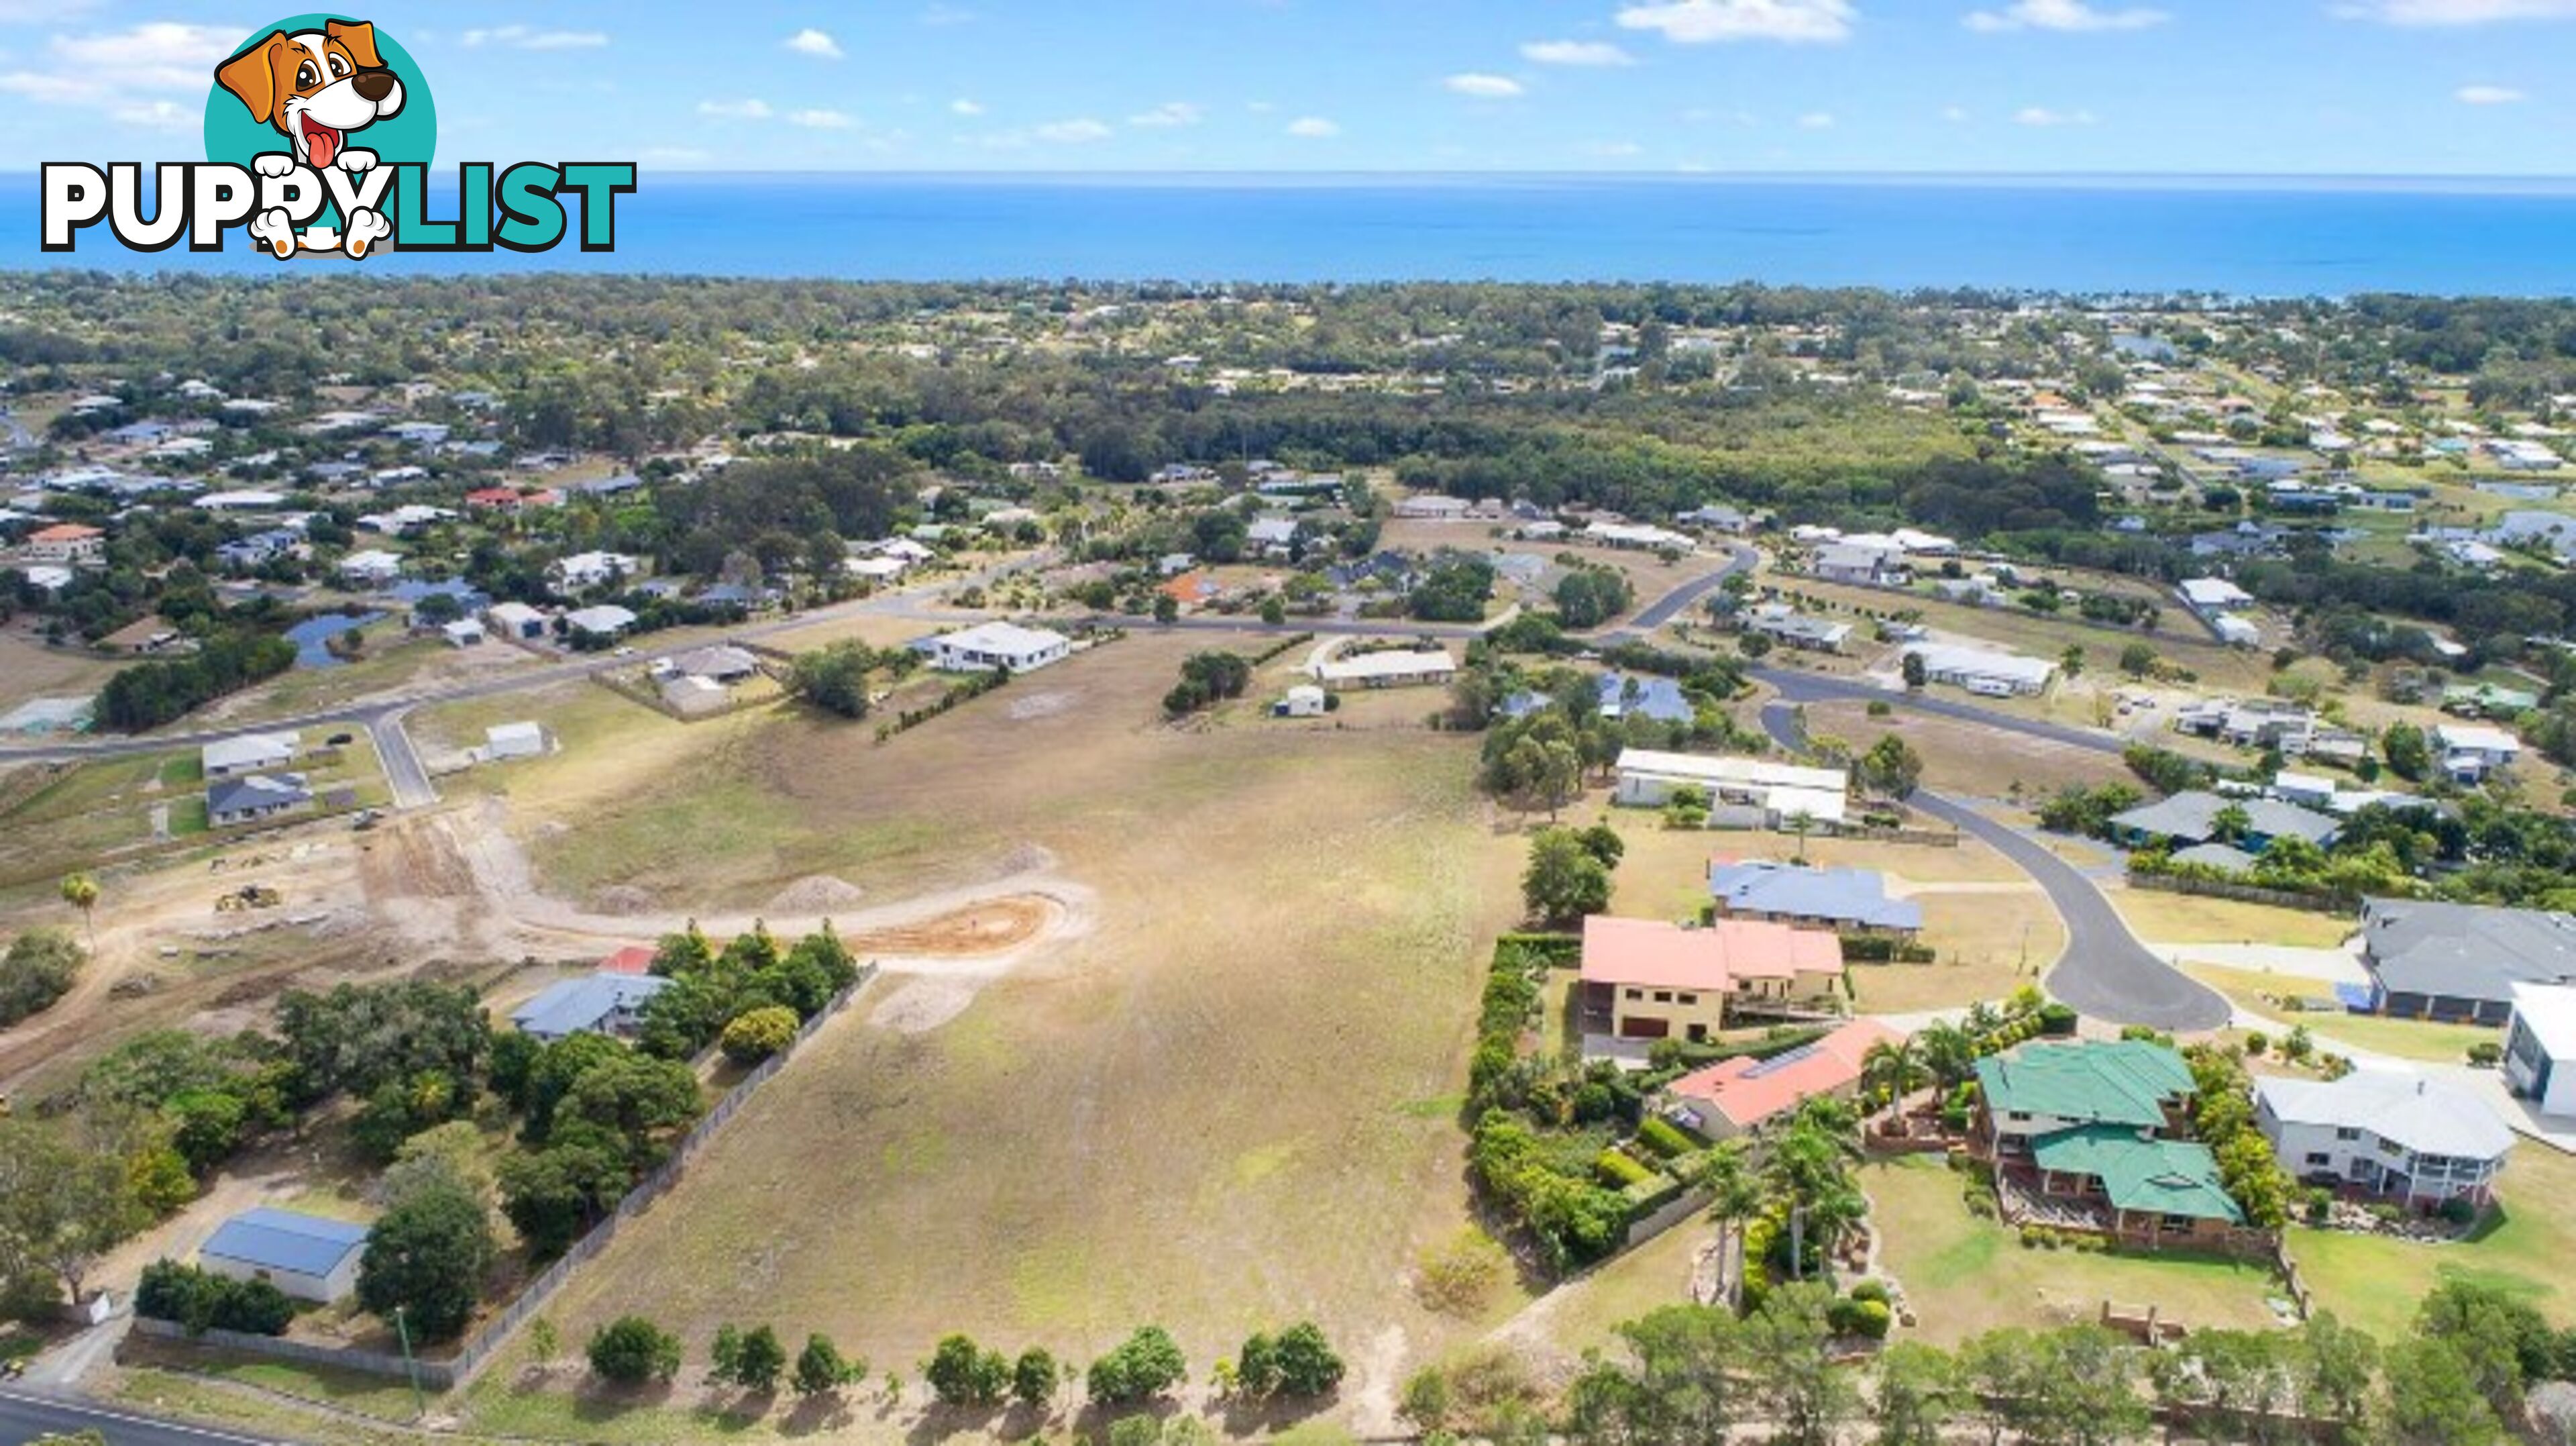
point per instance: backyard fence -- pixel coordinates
(449, 1371)
(2242, 893)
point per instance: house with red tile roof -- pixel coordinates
(633, 959)
(1735, 1096)
(1645, 979)
(66, 542)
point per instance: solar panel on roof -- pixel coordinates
(1781, 1061)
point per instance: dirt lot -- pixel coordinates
(1224, 1099)
(29, 669)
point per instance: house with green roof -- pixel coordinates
(2157, 1191)
(2040, 1089)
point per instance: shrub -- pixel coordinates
(1619, 1172)
(2320, 1205)
(1663, 1137)
(2457, 1210)
(2486, 1054)
(2056, 1019)
(2256, 1042)
(631, 1350)
(756, 1034)
(1866, 1318)
(202, 1301)
(1871, 1289)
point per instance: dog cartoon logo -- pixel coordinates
(317, 88)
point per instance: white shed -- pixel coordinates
(514, 740)
(305, 1256)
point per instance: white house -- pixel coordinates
(374, 567)
(514, 740)
(463, 633)
(604, 621)
(2540, 1046)
(1981, 671)
(2471, 750)
(516, 621)
(1006, 646)
(2212, 594)
(305, 1256)
(1303, 701)
(1390, 669)
(1434, 507)
(585, 570)
(1866, 566)
(2389, 1132)
(251, 753)
(1742, 792)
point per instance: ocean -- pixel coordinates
(2241, 237)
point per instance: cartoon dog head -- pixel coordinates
(315, 86)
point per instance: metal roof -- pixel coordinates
(2165, 1177)
(2427, 1116)
(2119, 1082)
(272, 1239)
(574, 1005)
(1853, 896)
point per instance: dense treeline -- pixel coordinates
(150, 694)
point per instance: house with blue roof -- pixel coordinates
(602, 1003)
(1846, 900)
(305, 1256)
(1630, 696)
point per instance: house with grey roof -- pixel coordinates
(2386, 1132)
(2192, 817)
(232, 801)
(1843, 899)
(250, 753)
(2460, 962)
(601, 1003)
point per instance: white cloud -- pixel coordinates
(1954, 114)
(810, 41)
(1313, 128)
(2457, 12)
(2063, 15)
(821, 120)
(29, 12)
(736, 109)
(1169, 115)
(1701, 22)
(1576, 52)
(1073, 132)
(1484, 87)
(2488, 95)
(521, 37)
(146, 75)
(2042, 116)
(1816, 120)
(962, 106)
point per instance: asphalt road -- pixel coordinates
(2105, 972)
(25, 1416)
(1739, 558)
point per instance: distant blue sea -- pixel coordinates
(2239, 237)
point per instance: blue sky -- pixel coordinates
(2334, 87)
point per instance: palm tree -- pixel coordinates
(1735, 1197)
(1801, 823)
(1811, 1168)
(1893, 1071)
(81, 892)
(1947, 1052)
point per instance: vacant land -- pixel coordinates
(2160, 917)
(2374, 1282)
(1966, 759)
(29, 669)
(2178, 638)
(1964, 1275)
(1224, 1105)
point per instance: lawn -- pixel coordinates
(29, 669)
(2374, 1282)
(2159, 917)
(1227, 1102)
(2403, 1038)
(1963, 1275)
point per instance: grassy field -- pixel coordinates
(2168, 918)
(2374, 1282)
(29, 669)
(1964, 1275)
(2403, 1038)
(1224, 1105)
(1962, 758)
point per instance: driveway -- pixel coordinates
(2105, 972)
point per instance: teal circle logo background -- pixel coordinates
(410, 134)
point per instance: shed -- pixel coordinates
(305, 1256)
(514, 740)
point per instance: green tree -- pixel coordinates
(964, 1374)
(1916, 1394)
(1143, 1366)
(760, 1360)
(2433, 1397)
(1564, 881)
(2409, 756)
(834, 677)
(1915, 673)
(756, 1034)
(63, 1204)
(38, 969)
(1735, 1199)
(632, 1350)
(1892, 766)
(1167, 609)
(1035, 1377)
(1307, 1363)
(80, 890)
(2137, 660)
(1256, 1366)
(426, 1257)
(821, 1368)
(1808, 1397)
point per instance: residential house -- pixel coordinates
(232, 801)
(66, 542)
(2210, 596)
(2393, 1133)
(2460, 962)
(1637, 537)
(2041, 1089)
(1433, 507)
(718, 662)
(1192, 590)
(1716, 517)
(1646, 979)
(1389, 668)
(462, 633)
(601, 1003)
(2193, 817)
(997, 645)
(586, 570)
(372, 567)
(1862, 566)
(516, 621)
(1742, 792)
(1794, 629)
(1624, 695)
(1986, 673)
(691, 696)
(2470, 751)
(605, 621)
(1847, 900)
(248, 754)
(306, 1257)
(2540, 1047)
(1736, 1096)
(2157, 1191)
